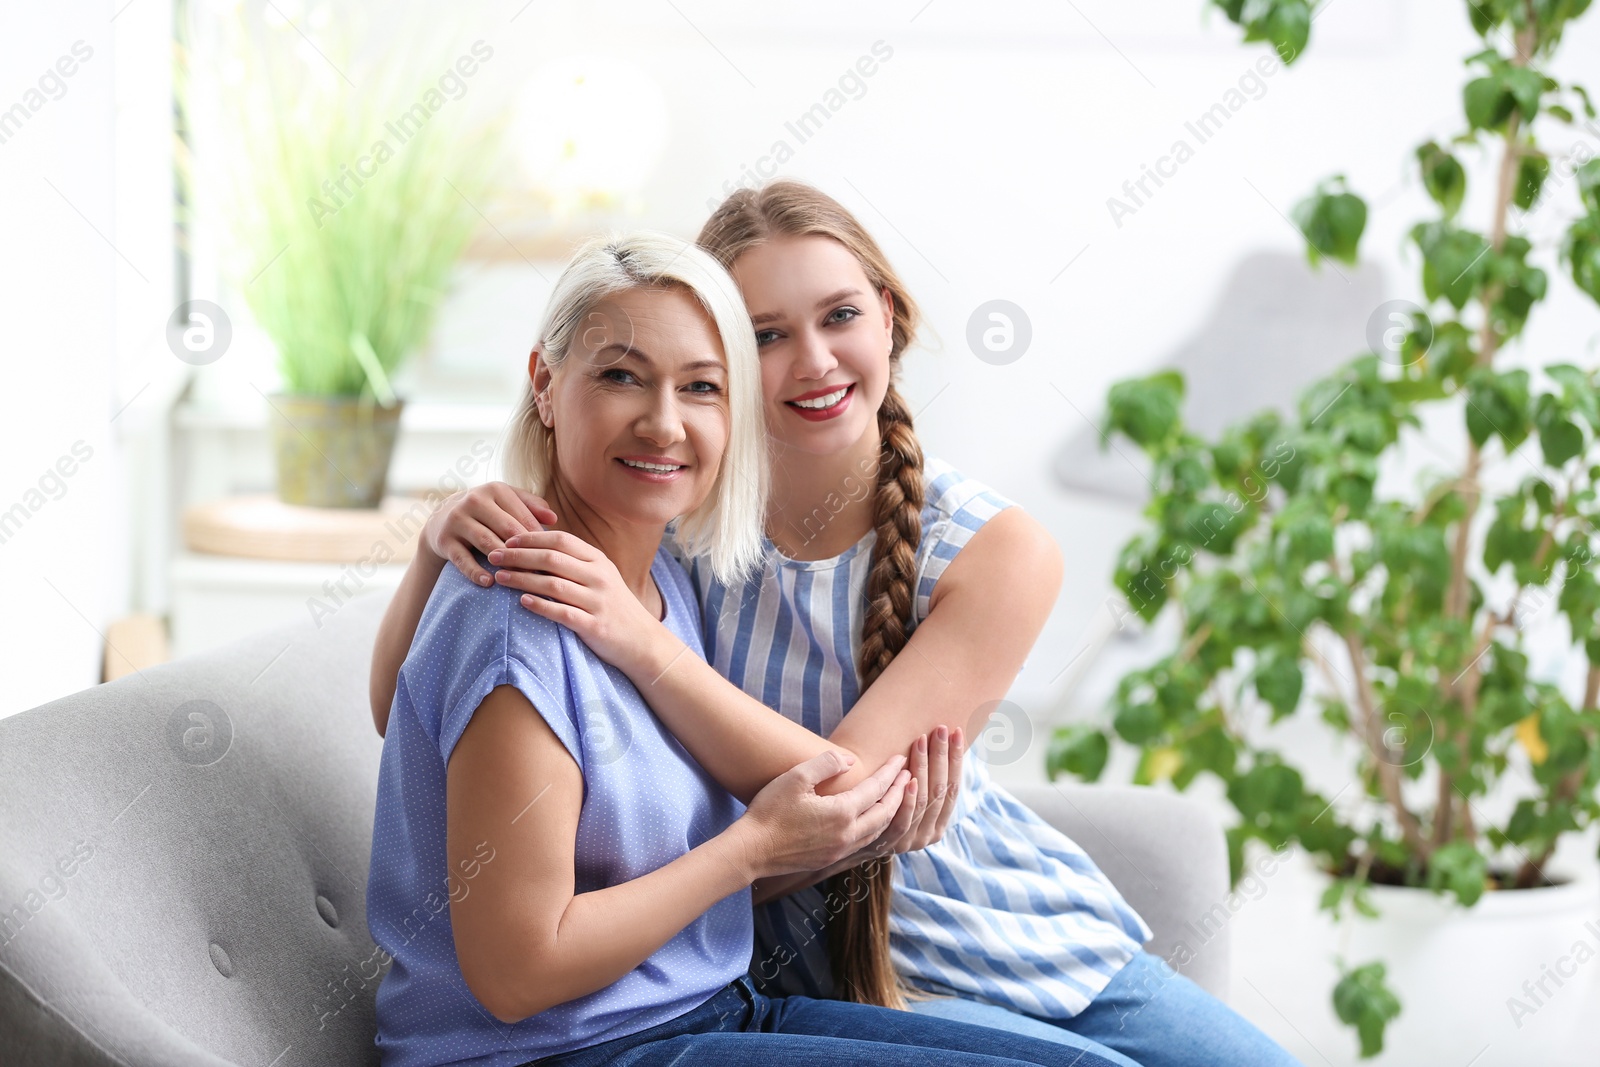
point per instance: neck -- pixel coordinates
(821, 505)
(631, 547)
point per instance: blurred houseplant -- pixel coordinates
(1280, 560)
(352, 207)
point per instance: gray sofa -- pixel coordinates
(183, 861)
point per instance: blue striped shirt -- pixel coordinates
(1005, 908)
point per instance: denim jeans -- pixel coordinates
(739, 1026)
(1149, 1015)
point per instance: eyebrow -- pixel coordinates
(769, 316)
(644, 357)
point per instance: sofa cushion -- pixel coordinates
(183, 860)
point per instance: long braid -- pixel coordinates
(858, 939)
(897, 517)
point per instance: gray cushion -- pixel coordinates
(221, 915)
(184, 851)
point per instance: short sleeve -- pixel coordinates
(508, 670)
(947, 534)
(466, 646)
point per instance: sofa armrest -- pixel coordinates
(1165, 853)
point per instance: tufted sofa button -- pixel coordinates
(325, 909)
(221, 961)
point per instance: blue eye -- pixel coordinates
(848, 312)
(711, 388)
(608, 373)
(765, 337)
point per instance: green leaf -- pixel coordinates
(1332, 220)
(1589, 184)
(1143, 575)
(1268, 788)
(1531, 173)
(1138, 724)
(1285, 23)
(1363, 902)
(1148, 409)
(1581, 252)
(1526, 85)
(1079, 750)
(1308, 532)
(1580, 601)
(1289, 28)
(1279, 680)
(1461, 869)
(1482, 20)
(1364, 1001)
(1443, 177)
(1583, 94)
(1559, 436)
(1454, 261)
(1578, 390)
(1453, 352)
(1213, 750)
(1487, 103)
(1497, 404)
(1237, 837)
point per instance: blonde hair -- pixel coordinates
(728, 524)
(859, 937)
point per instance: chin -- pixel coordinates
(646, 505)
(825, 439)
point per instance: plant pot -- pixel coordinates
(1515, 979)
(333, 451)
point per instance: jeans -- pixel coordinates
(739, 1026)
(1149, 1015)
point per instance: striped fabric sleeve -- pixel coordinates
(959, 507)
(669, 541)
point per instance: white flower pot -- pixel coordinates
(1513, 980)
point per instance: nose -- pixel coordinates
(661, 423)
(813, 358)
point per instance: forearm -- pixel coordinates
(605, 934)
(740, 741)
(398, 627)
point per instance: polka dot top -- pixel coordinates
(646, 802)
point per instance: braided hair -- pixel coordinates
(859, 935)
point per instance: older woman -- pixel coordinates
(555, 877)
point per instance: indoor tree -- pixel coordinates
(1399, 622)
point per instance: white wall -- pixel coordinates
(86, 283)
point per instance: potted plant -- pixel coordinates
(1397, 620)
(353, 207)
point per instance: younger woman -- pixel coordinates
(597, 877)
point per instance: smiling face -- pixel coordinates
(639, 407)
(823, 334)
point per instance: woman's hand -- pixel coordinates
(569, 581)
(935, 769)
(793, 828)
(482, 517)
(935, 766)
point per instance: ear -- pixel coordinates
(539, 375)
(888, 313)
